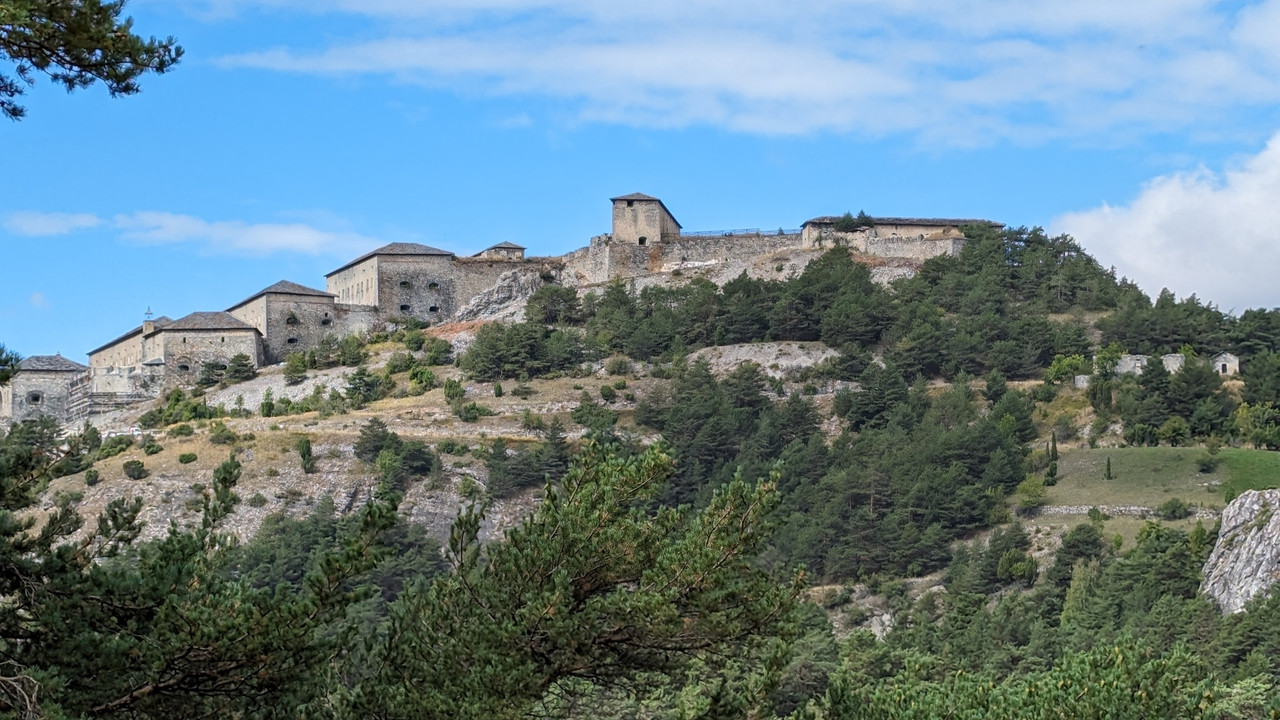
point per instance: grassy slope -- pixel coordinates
(1149, 476)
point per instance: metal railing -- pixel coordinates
(740, 231)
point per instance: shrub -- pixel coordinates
(1173, 509)
(608, 394)
(594, 417)
(421, 379)
(239, 369)
(135, 470)
(1207, 463)
(351, 351)
(152, 448)
(472, 412)
(257, 500)
(439, 351)
(220, 434)
(618, 366)
(91, 477)
(849, 223)
(295, 368)
(453, 390)
(497, 389)
(452, 447)
(399, 362)
(272, 472)
(524, 390)
(619, 384)
(187, 458)
(114, 446)
(529, 421)
(365, 387)
(414, 340)
(304, 450)
(182, 430)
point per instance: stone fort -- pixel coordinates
(430, 285)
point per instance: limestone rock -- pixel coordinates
(506, 299)
(1246, 560)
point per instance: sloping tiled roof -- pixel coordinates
(50, 363)
(159, 323)
(500, 246)
(207, 321)
(400, 248)
(642, 196)
(284, 287)
(928, 222)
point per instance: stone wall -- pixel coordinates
(351, 319)
(288, 323)
(35, 393)
(917, 247)
(356, 285)
(186, 351)
(417, 286)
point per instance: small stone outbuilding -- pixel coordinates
(1226, 363)
(45, 386)
(502, 251)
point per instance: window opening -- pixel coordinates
(404, 283)
(292, 341)
(326, 321)
(434, 308)
(184, 368)
(404, 308)
(433, 286)
(643, 239)
(34, 398)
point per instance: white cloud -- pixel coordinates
(1215, 234)
(963, 71)
(238, 237)
(38, 300)
(40, 224)
(226, 236)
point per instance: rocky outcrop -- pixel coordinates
(1246, 560)
(506, 299)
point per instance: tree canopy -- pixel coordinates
(76, 43)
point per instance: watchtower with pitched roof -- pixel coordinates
(640, 219)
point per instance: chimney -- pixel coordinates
(148, 327)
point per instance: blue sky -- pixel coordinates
(296, 134)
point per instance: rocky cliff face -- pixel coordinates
(506, 299)
(1246, 561)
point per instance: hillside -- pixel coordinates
(958, 463)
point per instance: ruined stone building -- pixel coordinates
(430, 285)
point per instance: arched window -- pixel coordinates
(34, 398)
(643, 239)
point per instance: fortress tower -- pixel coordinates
(640, 219)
